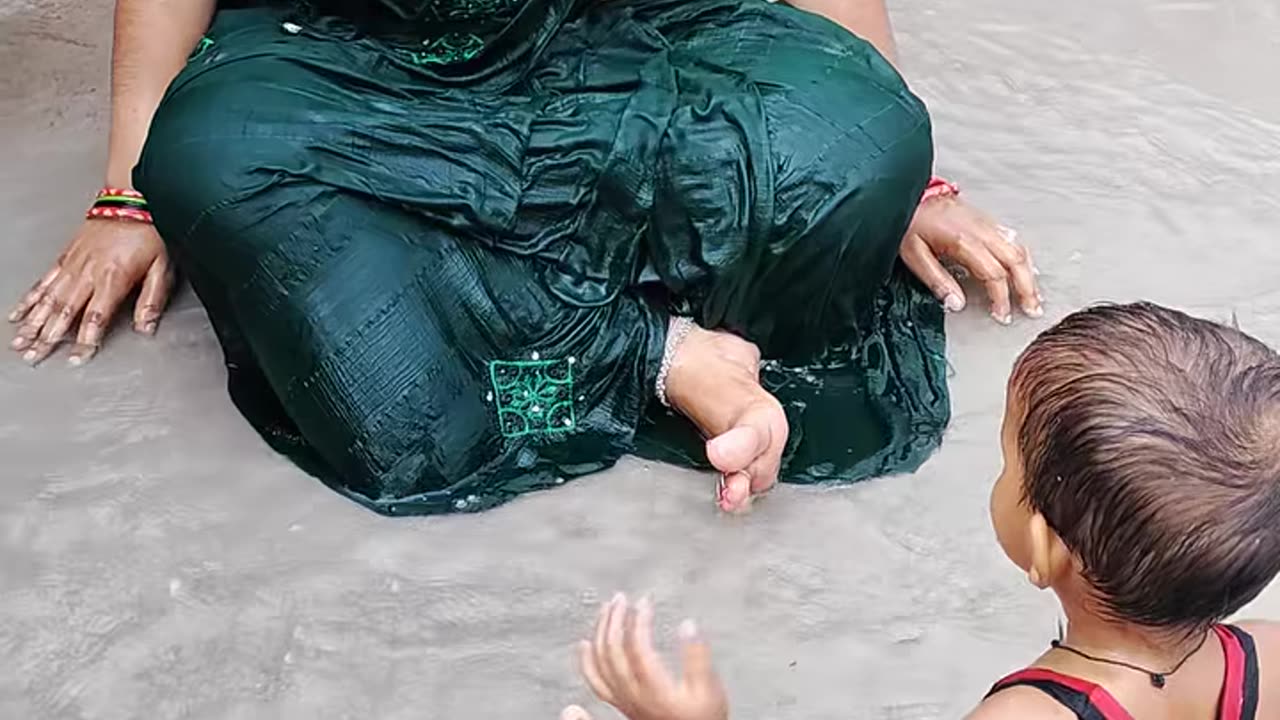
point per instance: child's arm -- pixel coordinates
(623, 669)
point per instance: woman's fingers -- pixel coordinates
(29, 331)
(1017, 260)
(921, 261)
(34, 295)
(65, 313)
(974, 254)
(108, 293)
(153, 297)
(60, 308)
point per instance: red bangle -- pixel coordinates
(120, 213)
(939, 187)
(120, 204)
(119, 192)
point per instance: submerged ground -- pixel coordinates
(156, 560)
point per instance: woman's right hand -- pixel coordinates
(105, 262)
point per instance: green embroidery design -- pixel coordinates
(470, 24)
(533, 397)
(205, 43)
(448, 49)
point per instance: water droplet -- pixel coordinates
(488, 397)
(559, 480)
(174, 586)
(536, 356)
(572, 360)
(459, 504)
(288, 658)
(568, 422)
(537, 409)
(292, 28)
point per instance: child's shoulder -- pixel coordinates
(1021, 703)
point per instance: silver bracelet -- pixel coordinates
(679, 330)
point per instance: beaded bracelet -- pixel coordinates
(120, 204)
(939, 187)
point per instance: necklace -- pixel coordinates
(1157, 678)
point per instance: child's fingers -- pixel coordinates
(573, 712)
(600, 641)
(617, 669)
(591, 672)
(696, 657)
(650, 673)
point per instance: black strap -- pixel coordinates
(1249, 709)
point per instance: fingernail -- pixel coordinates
(1035, 270)
(29, 356)
(618, 599)
(18, 343)
(1002, 319)
(688, 630)
(75, 361)
(13, 316)
(149, 328)
(953, 303)
(1034, 311)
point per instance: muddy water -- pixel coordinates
(157, 561)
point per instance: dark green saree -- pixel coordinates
(440, 241)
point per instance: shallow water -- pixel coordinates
(156, 560)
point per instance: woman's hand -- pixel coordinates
(624, 670)
(105, 262)
(945, 228)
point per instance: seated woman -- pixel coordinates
(456, 251)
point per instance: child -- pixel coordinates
(1141, 484)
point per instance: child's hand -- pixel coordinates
(624, 670)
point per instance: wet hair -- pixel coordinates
(1150, 442)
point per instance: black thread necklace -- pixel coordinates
(1158, 679)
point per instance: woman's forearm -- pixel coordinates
(868, 19)
(153, 39)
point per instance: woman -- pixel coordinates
(454, 250)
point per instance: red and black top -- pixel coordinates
(1239, 700)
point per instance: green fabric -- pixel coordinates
(439, 285)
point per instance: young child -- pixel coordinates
(1141, 484)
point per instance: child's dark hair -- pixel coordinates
(1150, 442)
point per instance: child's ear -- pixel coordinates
(1049, 555)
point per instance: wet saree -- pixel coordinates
(440, 243)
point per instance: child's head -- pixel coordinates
(1142, 465)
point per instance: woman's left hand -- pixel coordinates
(948, 228)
